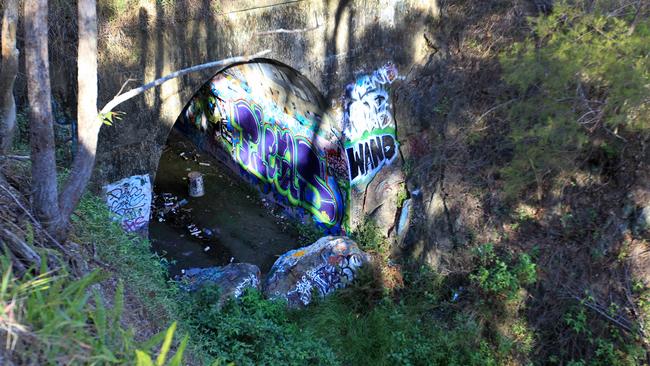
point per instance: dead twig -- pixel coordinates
(22, 248)
(600, 310)
(15, 157)
(36, 223)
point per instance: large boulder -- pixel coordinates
(232, 279)
(328, 264)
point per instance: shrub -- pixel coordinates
(500, 275)
(581, 74)
(129, 255)
(396, 332)
(368, 237)
(252, 331)
(53, 319)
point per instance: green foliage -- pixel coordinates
(129, 255)
(109, 117)
(252, 331)
(364, 324)
(308, 233)
(113, 9)
(402, 195)
(401, 331)
(500, 275)
(21, 138)
(582, 72)
(144, 359)
(52, 319)
(369, 238)
(608, 348)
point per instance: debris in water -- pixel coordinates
(206, 248)
(204, 164)
(196, 184)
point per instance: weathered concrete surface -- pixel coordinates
(331, 42)
(328, 41)
(328, 264)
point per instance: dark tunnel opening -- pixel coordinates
(272, 163)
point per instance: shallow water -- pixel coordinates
(246, 228)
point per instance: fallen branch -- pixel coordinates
(121, 98)
(290, 31)
(495, 108)
(15, 157)
(603, 312)
(36, 222)
(21, 248)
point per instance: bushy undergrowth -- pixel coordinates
(366, 324)
(580, 79)
(129, 255)
(252, 331)
(415, 327)
(502, 276)
(54, 318)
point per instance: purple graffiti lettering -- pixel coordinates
(290, 163)
(257, 115)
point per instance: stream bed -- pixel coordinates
(230, 223)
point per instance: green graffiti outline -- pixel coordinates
(294, 177)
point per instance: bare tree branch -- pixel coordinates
(121, 98)
(34, 221)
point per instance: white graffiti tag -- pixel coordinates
(130, 200)
(367, 105)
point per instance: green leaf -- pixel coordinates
(167, 343)
(99, 317)
(178, 357)
(154, 340)
(143, 359)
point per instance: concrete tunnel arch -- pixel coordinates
(270, 124)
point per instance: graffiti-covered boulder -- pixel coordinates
(232, 279)
(328, 264)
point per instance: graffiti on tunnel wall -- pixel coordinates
(368, 124)
(271, 123)
(130, 200)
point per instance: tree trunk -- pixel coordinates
(8, 75)
(53, 211)
(87, 119)
(41, 131)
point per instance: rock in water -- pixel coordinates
(232, 279)
(330, 263)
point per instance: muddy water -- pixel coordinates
(243, 227)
